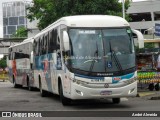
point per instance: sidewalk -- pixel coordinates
(151, 95)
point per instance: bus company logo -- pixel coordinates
(106, 85)
(117, 78)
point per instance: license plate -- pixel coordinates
(106, 92)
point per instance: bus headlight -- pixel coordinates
(79, 82)
(130, 80)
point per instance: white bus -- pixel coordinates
(20, 64)
(75, 58)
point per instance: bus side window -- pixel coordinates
(36, 47)
(50, 41)
(47, 42)
(39, 47)
(42, 44)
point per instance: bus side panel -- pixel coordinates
(10, 73)
(46, 72)
(37, 64)
(53, 72)
(23, 69)
(42, 71)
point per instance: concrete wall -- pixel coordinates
(32, 27)
(150, 6)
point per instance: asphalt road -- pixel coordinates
(20, 99)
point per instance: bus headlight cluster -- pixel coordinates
(130, 80)
(79, 82)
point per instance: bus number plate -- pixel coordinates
(105, 92)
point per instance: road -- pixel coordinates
(20, 99)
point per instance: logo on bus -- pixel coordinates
(117, 78)
(106, 85)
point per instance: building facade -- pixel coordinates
(14, 17)
(144, 15)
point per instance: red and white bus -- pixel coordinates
(20, 64)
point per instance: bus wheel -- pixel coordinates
(116, 100)
(42, 92)
(156, 87)
(151, 87)
(64, 100)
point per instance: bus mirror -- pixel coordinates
(138, 38)
(66, 41)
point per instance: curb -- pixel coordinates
(155, 98)
(143, 94)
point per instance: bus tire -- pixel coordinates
(151, 87)
(156, 87)
(42, 92)
(65, 101)
(116, 100)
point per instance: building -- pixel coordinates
(144, 15)
(32, 28)
(14, 16)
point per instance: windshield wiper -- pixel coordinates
(93, 61)
(118, 64)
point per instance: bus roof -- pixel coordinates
(95, 21)
(25, 41)
(88, 21)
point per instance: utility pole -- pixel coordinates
(123, 8)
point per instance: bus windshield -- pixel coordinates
(102, 50)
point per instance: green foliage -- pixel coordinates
(146, 46)
(3, 63)
(48, 11)
(21, 32)
(149, 45)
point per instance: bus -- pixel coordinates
(20, 64)
(74, 58)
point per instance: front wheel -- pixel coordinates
(116, 100)
(64, 100)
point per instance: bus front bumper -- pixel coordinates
(81, 92)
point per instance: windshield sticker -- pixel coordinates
(87, 32)
(109, 64)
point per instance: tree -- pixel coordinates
(3, 63)
(21, 32)
(48, 11)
